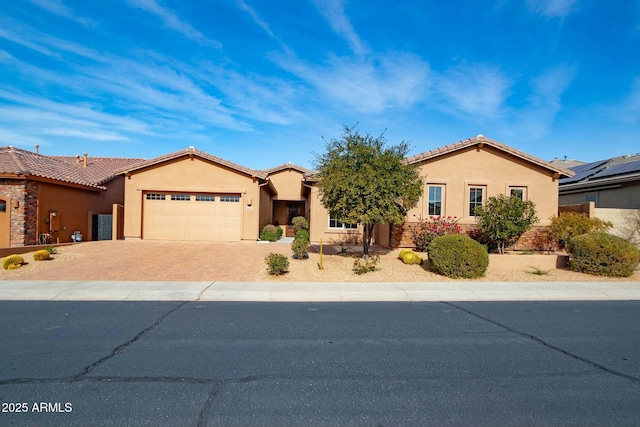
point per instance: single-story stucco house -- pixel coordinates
(46, 199)
(193, 195)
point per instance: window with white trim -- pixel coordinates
(181, 197)
(476, 198)
(518, 192)
(155, 196)
(435, 193)
(232, 199)
(205, 198)
(334, 223)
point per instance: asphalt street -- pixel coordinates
(70, 363)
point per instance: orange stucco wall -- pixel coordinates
(490, 168)
(191, 175)
(266, 214)
(73, 207)
(288, 184)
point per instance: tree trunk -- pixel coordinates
(367, 231)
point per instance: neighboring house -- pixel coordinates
(461, 176)
(607, 189)
(48, 198)
(610, 183)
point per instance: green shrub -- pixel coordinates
(41, 255)
(504, 219)
(279, 232)
(299, 223)
(457, 255)
(428, 229)
(302, 234)
(570, 224)
(363, 266)
(269, 232)
(277, 264)
(300, 248)
(51, 250)
(12, 261)
(603, 254)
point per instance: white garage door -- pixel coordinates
(201, 217)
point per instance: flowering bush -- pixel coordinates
(428, 229)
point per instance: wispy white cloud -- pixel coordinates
(545, 102)
(20, 139)
(333, 11)
(257, 19)
(58, 8)
(629, 109)
(394, 80)
(172, 21)
(40, 42)
(552, 8)
(476, 91)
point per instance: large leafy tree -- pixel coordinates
(504, 219)
(362, 181)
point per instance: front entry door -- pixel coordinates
(293, 210)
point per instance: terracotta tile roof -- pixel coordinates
(17, 162)
(286, 166)
(194, 152)
(427, 155)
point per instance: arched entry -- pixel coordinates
(5, 223)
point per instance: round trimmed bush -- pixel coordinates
(409, 258)
(12, 261)
(458, 256)
(403, 252)
(41, 255)
(603, 254)
(300, 248)
(269, 232)
(277, 264)
(299, 223)
(302, 234)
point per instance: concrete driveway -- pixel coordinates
(148, 260)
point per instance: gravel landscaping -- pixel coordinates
(175, 261)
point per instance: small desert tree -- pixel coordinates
(364, 182)
(504, 219)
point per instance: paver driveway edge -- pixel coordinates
(317, 291)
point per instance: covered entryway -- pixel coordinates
(192, 217)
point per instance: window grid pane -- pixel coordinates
(475, 199)
(334, 223)
(155, 196)
(180, 197)
(201, 198)
(435, 201)
(232, 199)
(517, 193)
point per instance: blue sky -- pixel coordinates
(261, 82)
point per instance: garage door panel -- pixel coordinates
(192, 220)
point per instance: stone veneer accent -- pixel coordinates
(23, 218)
(531, 240)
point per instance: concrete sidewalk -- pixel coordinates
(317, 292)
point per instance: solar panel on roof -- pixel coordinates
(583, 171)
(619, 169)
